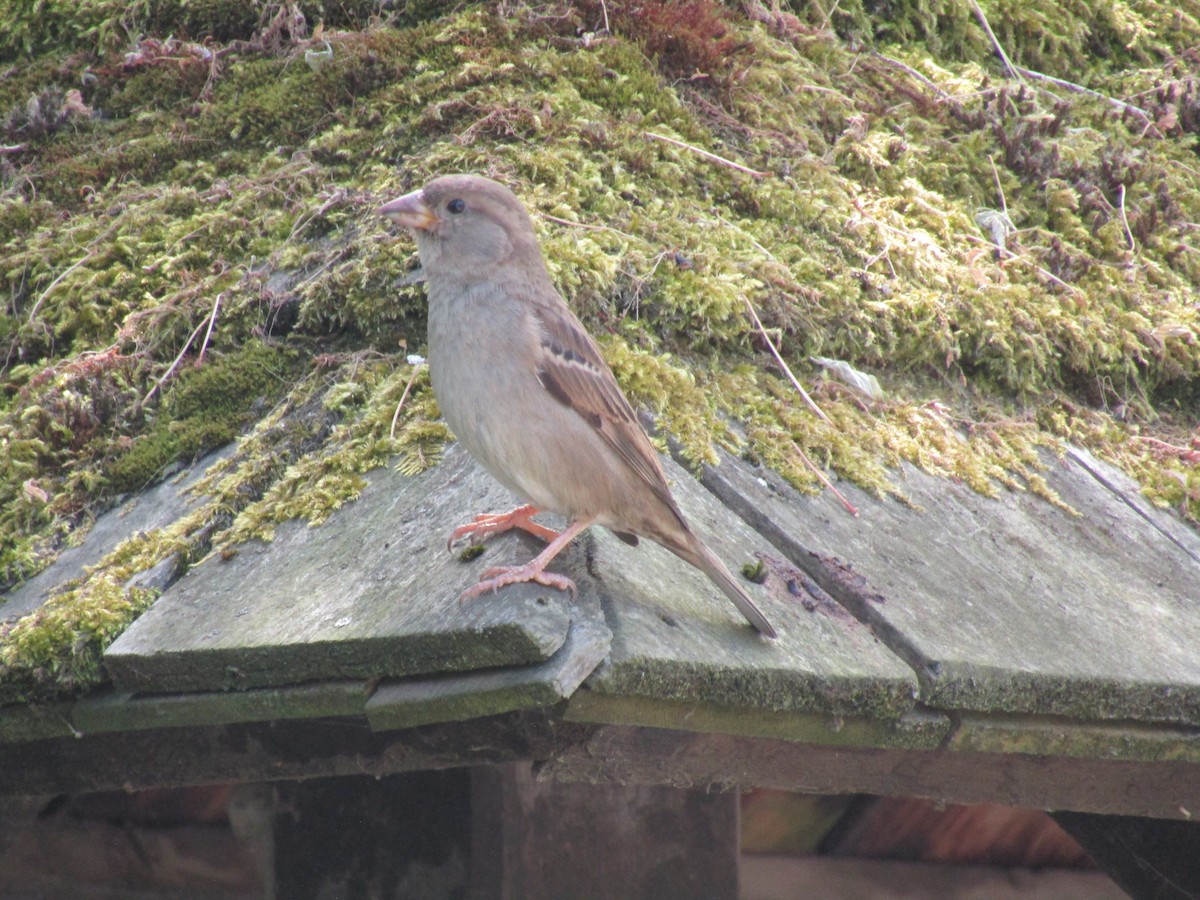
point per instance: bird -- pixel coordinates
(524, 387)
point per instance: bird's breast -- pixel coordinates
(481, 351)
(483, 355)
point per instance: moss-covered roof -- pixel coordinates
(190, 251)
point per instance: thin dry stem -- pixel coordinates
(748, 236)
(175, 364)
(1009, 256)
(707, 155)
(1124, 218)
(1080, 89)
(783, 364)
(850, 507)
(404, 397)
(913, 73)
(585, 225)
(1012, 70)
(999, 187)
(55, 283)
(212, 321)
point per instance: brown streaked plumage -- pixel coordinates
(525, 388)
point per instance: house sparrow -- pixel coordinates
(523, 386)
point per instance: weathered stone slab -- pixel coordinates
(155, 508)
(117, 711)
(915, 729)
(1164, 521)
(1009, 604)
(676, 637)
(371, 593)
(1059, 737)
(450, 698)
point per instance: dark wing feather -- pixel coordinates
(574, 373)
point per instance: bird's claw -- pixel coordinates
(484, 526)
(501, 576)
(479, 529)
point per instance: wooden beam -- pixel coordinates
(627, 755)
(570, 751)
(273, 751)
(541, 840)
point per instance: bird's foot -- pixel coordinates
(502, 576)
(483, 527)
(534, 570)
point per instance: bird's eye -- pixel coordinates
(456, 206)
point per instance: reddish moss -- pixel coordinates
(684, 37)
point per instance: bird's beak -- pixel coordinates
(411, 211)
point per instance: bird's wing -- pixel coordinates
(574, 373)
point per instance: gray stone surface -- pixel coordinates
(915, 729)
(1036, 630)
(156, 508)
(20, 723)
(116, 711)
(1054, 736)
(371, 593)
(1006, 605)
(677, 638)
(418, 701)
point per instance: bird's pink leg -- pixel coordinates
(499, 576)
(483, 527)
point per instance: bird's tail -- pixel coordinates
(710, 564)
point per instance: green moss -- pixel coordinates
(108, 25)
(57, 649)
(205, 408)
(316, 484)
(1063, 39)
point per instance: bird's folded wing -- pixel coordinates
(574, 373)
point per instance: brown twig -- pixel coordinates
(403, 397)
(187, 343)
(1008, 63)
(913, 73)
(1080, 89)
(850, 507)
(1186, 454)
(783, 364)
(707, 155)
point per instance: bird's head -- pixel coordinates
(466, 226)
